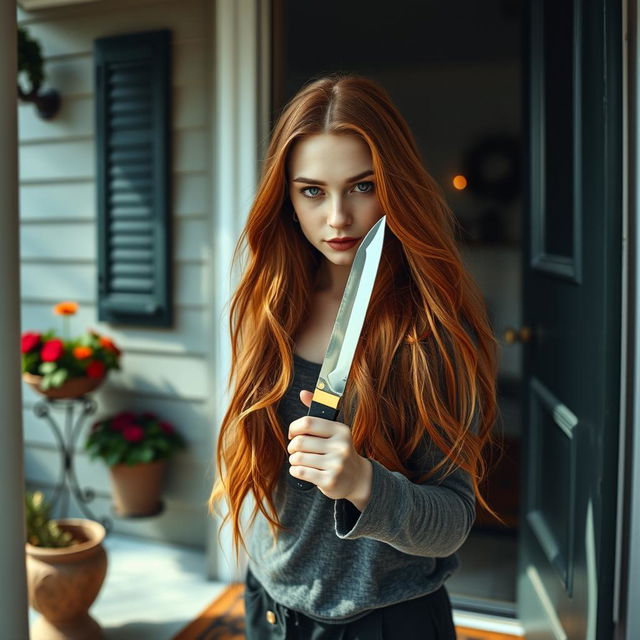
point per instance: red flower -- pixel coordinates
(96, 369)
(52, 350)
(122, 420)
(132, 433)
(166, 427)
(30, 340)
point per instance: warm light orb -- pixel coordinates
(459, 182)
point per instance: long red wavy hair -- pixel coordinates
(426, 362)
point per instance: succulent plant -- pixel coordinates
(42, 531)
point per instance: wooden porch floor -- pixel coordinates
(154, 590)
(229, 607)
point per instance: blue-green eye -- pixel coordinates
(368, 188)
(302, 191)
(369, 185)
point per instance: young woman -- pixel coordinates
(365, 553)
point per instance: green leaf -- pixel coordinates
(30, 361)
(47, 367)
(93, 448)
(161, 445)
(58, 377)
(146, 454)
(135, 455)
(113, 457)
(84, 340)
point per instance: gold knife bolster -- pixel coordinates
(328, 399)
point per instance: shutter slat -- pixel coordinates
(130, 106)
(133, 270)
(128, 95)
(132, 213)
(143, 285)
(124, 173)
(133, 227)
(124, 140)
(138, 185)
(135, 198)
(129, 242)
(125, 76)
(128, 153)
(131, 122)
(131, 255)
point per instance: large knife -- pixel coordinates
(346, 332)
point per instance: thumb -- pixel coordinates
(305, 397)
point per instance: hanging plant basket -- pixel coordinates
(71, 388)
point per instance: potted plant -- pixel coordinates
(66, 566)
(60, 367)
(136, 447)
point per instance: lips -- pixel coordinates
(342, 245)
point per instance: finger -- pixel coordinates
(314, 476)
(306, 397)
(303, 459)
(308, 444)
(320, 427)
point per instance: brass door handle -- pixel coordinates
(512, 335)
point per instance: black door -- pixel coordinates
(572, 307)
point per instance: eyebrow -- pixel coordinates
(364, 174)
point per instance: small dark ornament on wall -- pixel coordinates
(492, 167)
(30, 61)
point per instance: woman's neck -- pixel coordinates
(332, 280)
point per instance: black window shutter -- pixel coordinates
(133, 144)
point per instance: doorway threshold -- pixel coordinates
(487, 622)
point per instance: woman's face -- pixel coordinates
(332, 189)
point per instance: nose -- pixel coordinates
(339, 216)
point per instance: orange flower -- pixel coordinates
(109, 345)
(82, 352)
(65, 308)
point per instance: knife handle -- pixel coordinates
(317, 410)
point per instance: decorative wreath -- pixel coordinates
(479, 167)
(30, 61)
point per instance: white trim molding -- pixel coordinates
(241, 69)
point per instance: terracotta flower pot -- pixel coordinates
(71, 388)
(64, 582)
(137, 488)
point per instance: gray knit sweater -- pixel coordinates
(336, 564)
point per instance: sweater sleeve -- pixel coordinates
(428, 519)
(432, 518)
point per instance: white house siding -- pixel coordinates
(168, 371)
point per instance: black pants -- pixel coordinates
(429, 617)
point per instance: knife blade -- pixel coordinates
(347, 327)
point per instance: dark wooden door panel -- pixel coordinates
(572, 304)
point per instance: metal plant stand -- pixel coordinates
(68, 484)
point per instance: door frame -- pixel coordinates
(627, 580)
(260, 58)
